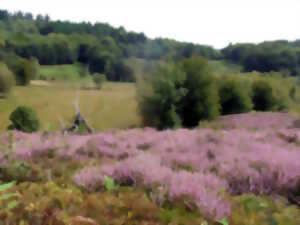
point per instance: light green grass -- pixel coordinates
(112, 107)
(62, 72)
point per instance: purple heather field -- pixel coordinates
(249, 153)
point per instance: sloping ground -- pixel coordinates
(248, 176)
(260, 120)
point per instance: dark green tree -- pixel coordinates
(202, 100)
(235, 96)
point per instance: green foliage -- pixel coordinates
(263, 98)
(223, 221)
(24, 119)
(202, 100)
(159, 103)
(7, 79)
(31, 70)
(8, 200)
(235, 95)
(99, 80)
(19, 171)
(293, 93)
(269, 95)
(280, 56)
(24, 69)
(109, 183)
(122, 72)
(180, 95)
(263, 210)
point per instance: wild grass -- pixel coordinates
(114, 106)
(62, 72)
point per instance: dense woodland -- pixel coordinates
(103, 48)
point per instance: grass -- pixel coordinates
(112, 107)
(62, 72)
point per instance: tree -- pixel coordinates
(31, 70)
(202, 100)
(4, 14)
(263, 98)
(235, 96)
(122, 72)
(7, 79)
(159, 106)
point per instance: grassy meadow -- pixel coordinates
(114, 106)
(62, 72)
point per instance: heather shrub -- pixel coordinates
(202, 100)
(235, 96)
(7, 79)
(99, 80)
(24, 119)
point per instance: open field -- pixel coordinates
(61, 72)
(239, 176)
(112, 107)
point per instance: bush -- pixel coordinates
(202, 99)
(263, 98)
(31, 70)
(7, 79)
(25, 70)
(24, 119)
(159, 102)
(99, 80)
(235, 96)
(123, 73)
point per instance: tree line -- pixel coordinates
(27, 41)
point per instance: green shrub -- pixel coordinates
(99, 80)
(24, 119)
(263, 98)
(159, 102)
(31, 70)
(270, 95)
(24, 69)
(202, 99)
(123, 73)
(235, 96)
(7, 79)
(293, 93)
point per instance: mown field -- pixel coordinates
(114, 106)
